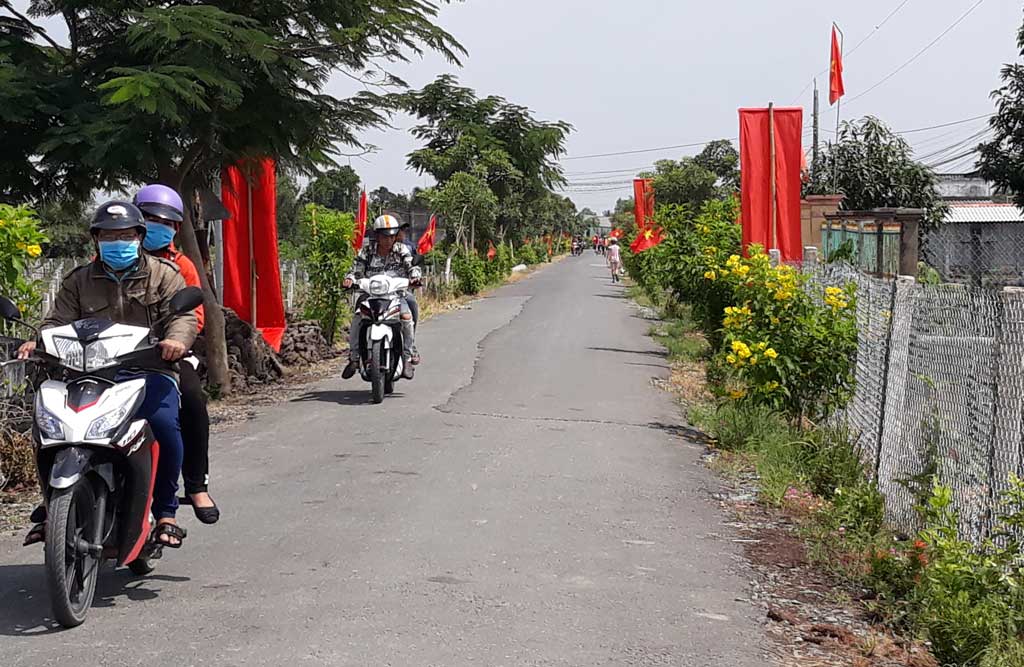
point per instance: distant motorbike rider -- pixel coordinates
(163, 210)
(383, 254)
(126, 286)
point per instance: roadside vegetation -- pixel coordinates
(777, 351)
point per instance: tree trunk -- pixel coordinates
(219, 374)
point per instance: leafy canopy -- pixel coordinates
(1002, 159)
(876, 170)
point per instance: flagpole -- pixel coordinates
(771, 166)
(839, 103)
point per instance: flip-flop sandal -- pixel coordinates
(415, 360)
(169, 530)
(36, 534)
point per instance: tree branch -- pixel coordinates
(32, 26)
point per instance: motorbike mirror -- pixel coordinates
(185, 300)
(8, 310)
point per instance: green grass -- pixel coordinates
(679, 335)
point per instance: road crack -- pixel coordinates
(675, 429)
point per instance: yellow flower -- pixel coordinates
(729, 310)
(775, 321)
(710, 250)
(783, 295)
(733, 260)
(710, 275)
(741, 270)
(753, 360)
(737, 394)
(34, 250)
(771, 353)
(731, 358)
(741, 349)
(771, 386)
(20, 245)
(833, 291)
(761, 346)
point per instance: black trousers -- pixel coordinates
(195, 431)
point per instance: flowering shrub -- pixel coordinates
(20, 246)
(784, 347)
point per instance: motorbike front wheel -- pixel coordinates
(70, 570)
(376, 373)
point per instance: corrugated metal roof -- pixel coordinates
(965, 213)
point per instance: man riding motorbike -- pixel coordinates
(163, 210)
(126, 286)
(383, 254)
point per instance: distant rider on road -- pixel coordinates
(383, 254)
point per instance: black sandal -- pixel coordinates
(169, 530)
(36, 534)
(207, 515)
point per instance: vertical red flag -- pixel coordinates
(835, 77)
(426, 243)
(492, 252)
(643, 202)
(360, 232)
(755, 177)
(241, 184)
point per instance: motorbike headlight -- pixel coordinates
(378, 287)
(70, 352)
(47, 422)
(106, 424)
(101, 353)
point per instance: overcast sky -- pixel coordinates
(651, 73)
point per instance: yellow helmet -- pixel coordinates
(387, 225)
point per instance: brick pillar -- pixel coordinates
(812, 214)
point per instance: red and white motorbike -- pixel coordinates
(95, 459)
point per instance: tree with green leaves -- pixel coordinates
(468, 206)
(712, 174)
(497, 141)
(173, 90)
(336, 189)
(874, 168)
(1002, 158)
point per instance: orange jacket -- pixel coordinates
(189, 273)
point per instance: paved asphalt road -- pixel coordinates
(525, 501)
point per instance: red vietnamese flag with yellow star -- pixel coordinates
(426, 242)
(835, 77)
(647, 238)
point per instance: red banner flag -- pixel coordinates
(426, 243)
(755, 179)
(646, 239)
(492, 252)
(360, 233)
(253, 280)
(616, 233)
(835, 77)
(643, 202)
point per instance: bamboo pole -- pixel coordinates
(252, 259)
(771, 170)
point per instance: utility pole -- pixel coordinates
(814, 149)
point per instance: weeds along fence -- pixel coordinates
(939, 391)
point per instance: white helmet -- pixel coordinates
(387, 225)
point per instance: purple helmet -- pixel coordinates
(161, 201)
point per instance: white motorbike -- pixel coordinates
(95, 459)
(380, 336)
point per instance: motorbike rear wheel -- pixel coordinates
(376, 373)
(70, 572)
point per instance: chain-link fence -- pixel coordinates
(940, 392)
(980, 254)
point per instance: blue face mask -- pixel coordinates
(158, 236)
(119, 255)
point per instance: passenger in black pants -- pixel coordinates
(195, 432)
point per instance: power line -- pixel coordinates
(735, 139)
(919, 53)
